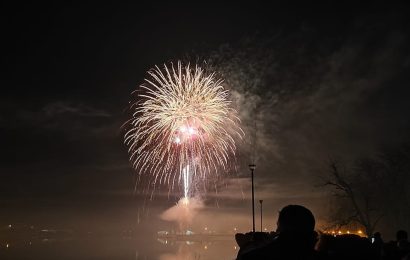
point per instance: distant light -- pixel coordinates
(235, 247)
(340, 232)
(205, 247)
(235, 229)
(360, 232)
(182, 129)
(265, 229)
(348, 232)
(10, 226)
(206, 228)
(7, 245)
(177, 140)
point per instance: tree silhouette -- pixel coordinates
(358, 196)
(372, 189)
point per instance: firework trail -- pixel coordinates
(183, 129)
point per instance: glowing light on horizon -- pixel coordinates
(185, 201)
(183, 129)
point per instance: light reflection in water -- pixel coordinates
(138, 248)
(189, 250)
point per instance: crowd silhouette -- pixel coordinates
(296, 238)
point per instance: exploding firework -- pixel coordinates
(183, 128)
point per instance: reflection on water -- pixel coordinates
(202, 250)
(119, 249)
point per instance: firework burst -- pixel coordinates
(183, 128)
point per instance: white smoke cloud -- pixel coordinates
(183, 212)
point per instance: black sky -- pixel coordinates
(70, 69)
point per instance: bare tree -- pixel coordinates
(358, 197)
(373, 189)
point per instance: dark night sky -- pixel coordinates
(337, 82)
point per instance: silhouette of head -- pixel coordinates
(295, 219)
(401, 235)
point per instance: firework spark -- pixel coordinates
(183, 128)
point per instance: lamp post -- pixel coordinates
(260, 201)
(252, 167)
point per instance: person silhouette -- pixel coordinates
(377, 244)
(403, 244)
(295, 237)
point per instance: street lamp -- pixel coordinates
(252, 167)
(260, 201)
